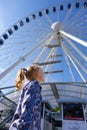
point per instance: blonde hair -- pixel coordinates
(26, 73)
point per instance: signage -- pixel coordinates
(73, 117)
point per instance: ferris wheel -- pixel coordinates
(54, 38)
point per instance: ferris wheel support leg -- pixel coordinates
(74, 38)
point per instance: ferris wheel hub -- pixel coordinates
(57, 26)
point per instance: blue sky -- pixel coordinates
(14, 10)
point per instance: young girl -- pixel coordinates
(28, 112)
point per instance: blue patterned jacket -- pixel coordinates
(28, 112)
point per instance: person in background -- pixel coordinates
(28, 111)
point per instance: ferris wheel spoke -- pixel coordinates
(44, 25)
(20, 48)
(20, 37)
(28, 36)
(27, 31)
(68, 64)
(74, 38)
(20, 60)
(5, 81)
(76, 49)
(77, 30)
(73, 62)
(77, 61)
(48, 18)
(70, 70)
(78, 23)
(75, 17)
(79, 20)
(67, 16)
(12, 52)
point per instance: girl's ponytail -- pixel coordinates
(20, 78)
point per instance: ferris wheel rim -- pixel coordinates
(20, 23)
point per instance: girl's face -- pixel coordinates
(40, 75)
